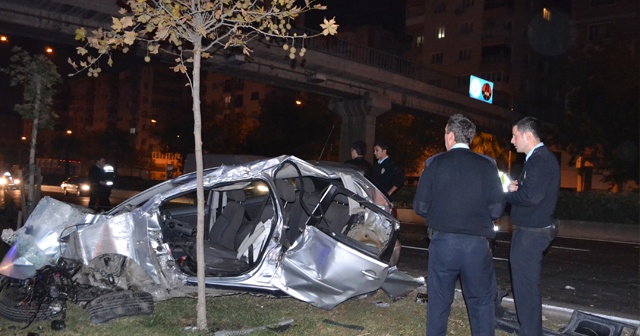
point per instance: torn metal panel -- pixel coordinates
(36, 243)
(319, 270)
(398, 284)
(113, 236)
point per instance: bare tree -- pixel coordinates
(38, 76)
(192, 30)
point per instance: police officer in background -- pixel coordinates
(99, 193)
(386, 174)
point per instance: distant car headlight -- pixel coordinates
(3, 180)
(16, 181)
(109, 183)
(85, 187)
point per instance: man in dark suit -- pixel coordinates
(460, 194)
(533, 198)
(386, 174)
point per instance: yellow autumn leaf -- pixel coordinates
(116, 26)
(130, 37)
(144, 18)
(81, 33)
(126, 21)
(180, 68)
(329, 27)
(82, 51)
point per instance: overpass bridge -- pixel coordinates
(363, 83)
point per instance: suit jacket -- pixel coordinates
(362, 164)
(387, 174)
(460, 192)
(534, 203)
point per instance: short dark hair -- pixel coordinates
(360, 147)
(382, 144)
(529, 124)
(463, 129)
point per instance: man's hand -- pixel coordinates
(513, 186)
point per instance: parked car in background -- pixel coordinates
(76, 185)
(9, 182)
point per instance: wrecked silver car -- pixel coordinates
(320, 233)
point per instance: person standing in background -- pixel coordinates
(533, 198)
(386, 174)
(358, 150)
(98, 185)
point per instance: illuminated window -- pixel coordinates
(227, 101)
(546, 14)
(440, 33)
(419, 41)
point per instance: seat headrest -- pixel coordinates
(286, 191)
(308, 186)
(236, 195)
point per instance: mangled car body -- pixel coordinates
(320, 233)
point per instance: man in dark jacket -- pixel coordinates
(386, 174)
(460, 194)
(99, 192)
(358, 150)
(533, 198)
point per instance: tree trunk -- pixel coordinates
(197, 135)
(32, 148)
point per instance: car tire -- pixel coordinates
(13, 307)
(119, 304)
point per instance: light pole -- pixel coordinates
(66, 153)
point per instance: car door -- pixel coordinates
(326, 265)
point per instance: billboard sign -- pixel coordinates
(480, 89)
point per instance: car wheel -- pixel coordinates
(15, 306)
(119, 304)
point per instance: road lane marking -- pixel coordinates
(415, 248)
(553, 246)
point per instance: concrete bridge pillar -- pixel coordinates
(359, 121)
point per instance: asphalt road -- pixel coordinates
(593, 276)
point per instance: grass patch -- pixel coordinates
(238, 312)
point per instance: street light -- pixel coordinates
(66, 153)
(48, 50)
(4, 38)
